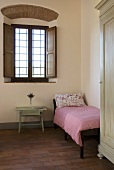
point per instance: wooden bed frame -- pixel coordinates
(85, 135)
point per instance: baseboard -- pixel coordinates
(14, 125)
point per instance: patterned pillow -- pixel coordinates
(63, 100)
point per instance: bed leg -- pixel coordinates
(65, 136)
(81, 152)
(82, 147)
(55, 126)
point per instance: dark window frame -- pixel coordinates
(29, 78)
(47, 66)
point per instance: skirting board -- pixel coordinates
(14, 125)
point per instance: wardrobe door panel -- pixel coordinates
(109, 83)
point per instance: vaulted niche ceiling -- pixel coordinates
(29, 11)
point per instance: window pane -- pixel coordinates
(17, 50)
(42, 64)
(17, 36)
(36, 37)
(36, 64)
(36, 57)
(36, 71)
(23, 71)
(23, 75)
(23, 57)
(36, 31)
(42, 37)
(16, 56)
(23, 64)
(23, 43)
(42, 70)
(17, 42)
(36, 43)
(22, 30)
(17, 70)
(17, 75)
(40, 76)
(42, 43)
(21, 52)
(17, 63)
(23, 37)
(42, 32)
(42, 50)
(17, 30)
(36, 50)
(42, 58)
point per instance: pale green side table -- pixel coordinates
(25, 111)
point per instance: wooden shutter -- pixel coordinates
(51, 52)
(8, 51)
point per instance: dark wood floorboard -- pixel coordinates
(33, 149)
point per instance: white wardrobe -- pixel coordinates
(106, 147)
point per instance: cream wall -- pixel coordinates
(90, 52)
(69, 61)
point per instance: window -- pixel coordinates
(30, 53)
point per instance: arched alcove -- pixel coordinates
(29, 11)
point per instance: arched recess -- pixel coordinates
(29, 11)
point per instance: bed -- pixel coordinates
(81, 123)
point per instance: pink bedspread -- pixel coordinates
(76, 119)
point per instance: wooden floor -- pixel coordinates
(33, 149)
